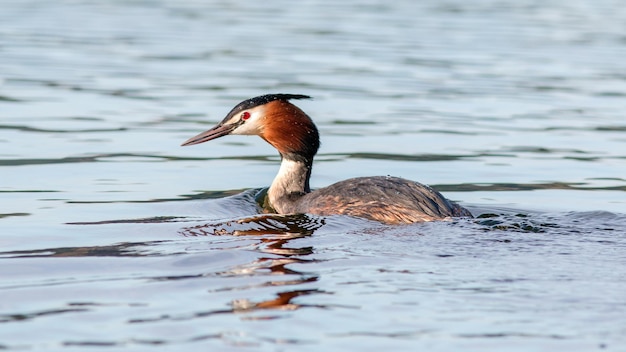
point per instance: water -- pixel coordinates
(114, 237)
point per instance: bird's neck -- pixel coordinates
(290, 184)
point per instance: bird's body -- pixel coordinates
(390, 200)
(386, 199)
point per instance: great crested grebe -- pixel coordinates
(386, 199)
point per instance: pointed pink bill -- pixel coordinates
(215, 132)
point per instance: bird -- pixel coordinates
(386, 199)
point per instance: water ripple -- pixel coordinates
(515, 108)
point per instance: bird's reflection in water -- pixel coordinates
(274, 233)
(282, 301)
(264, 224)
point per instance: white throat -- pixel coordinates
(291, 182)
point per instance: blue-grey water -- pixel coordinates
(112, 236)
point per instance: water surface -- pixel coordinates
(113, 237)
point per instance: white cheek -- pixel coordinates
(252, 126)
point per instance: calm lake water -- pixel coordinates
(114, 237)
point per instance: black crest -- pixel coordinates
(263, 99)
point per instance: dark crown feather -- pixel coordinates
(262, 100)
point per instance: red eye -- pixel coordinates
(245, 115)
